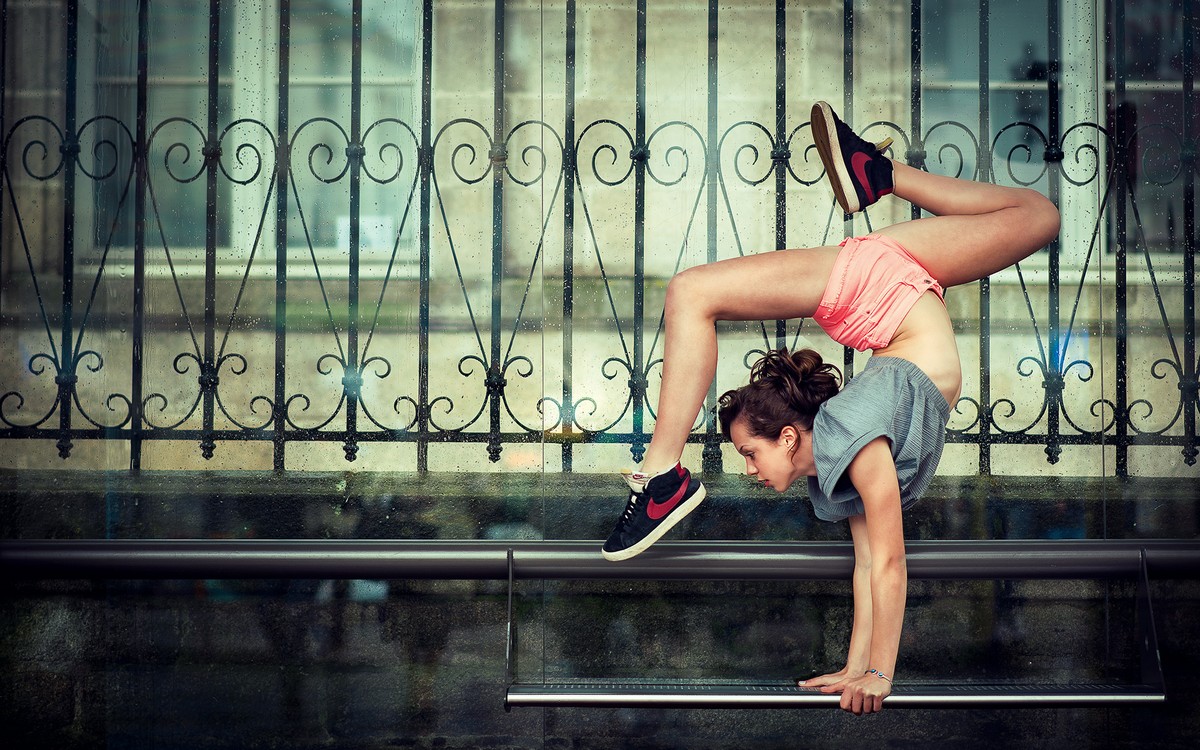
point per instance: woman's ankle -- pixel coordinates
(649, 469)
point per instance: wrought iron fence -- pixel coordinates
(567, 162)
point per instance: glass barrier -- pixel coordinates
(333, 269)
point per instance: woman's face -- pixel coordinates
(776, 463)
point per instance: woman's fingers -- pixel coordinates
(825, 679)
(859, 697)
(852, 701)
(830, 683)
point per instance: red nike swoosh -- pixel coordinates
(858, 162)
(657, 510)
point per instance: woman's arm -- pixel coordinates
(873, 473)
(858, 660)
(859, 653)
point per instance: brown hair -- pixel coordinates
(784, 389)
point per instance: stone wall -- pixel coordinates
(206, 664)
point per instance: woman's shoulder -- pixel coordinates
(862, 401)
(873, 397)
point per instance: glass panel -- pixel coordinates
(408, 288)
(222, 349)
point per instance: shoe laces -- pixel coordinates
(879, 147)
(630, 506)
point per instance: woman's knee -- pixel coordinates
(1043, 220)
(689, 292)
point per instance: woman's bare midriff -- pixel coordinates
(926, 338)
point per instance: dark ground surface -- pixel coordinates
(351, 664)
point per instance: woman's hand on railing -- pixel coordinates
(863, 694)
(829, 683)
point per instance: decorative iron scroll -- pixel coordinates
(575, 169)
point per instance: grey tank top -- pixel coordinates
(891, 397)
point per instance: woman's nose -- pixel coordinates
(751, 469)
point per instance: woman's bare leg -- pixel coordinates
(979, 228)
(769, 286)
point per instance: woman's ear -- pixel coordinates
(789, 436)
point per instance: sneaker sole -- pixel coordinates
(829, 149)
(687, 507)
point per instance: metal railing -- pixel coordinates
(490, 560)
(582, 158)
(719, 561)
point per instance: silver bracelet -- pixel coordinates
(879, 674)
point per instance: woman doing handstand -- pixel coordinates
(870, 449)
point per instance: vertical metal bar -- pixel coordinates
(3, 150)
(1189, 243)
(510, 639)
(638, 379)
(283, 163)
(780, 165)
(70, 150)
(984, 162)
(711, 455)
(914, 82)
(212, 154)
(141, 178)
(780, 120)
(352, 380)
(426, 166)
(1151, 671)
(1124, 169)
(1053, 156)
(848, 116)
(568, 304)
(848, 63)
(495, 374)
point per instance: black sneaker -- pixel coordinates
(858, 170)
(654, 507)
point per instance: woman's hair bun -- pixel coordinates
(785, 388)
(802, 378)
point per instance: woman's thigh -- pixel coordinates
(961, 249)
(777, 285)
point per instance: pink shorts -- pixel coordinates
(874, 283)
